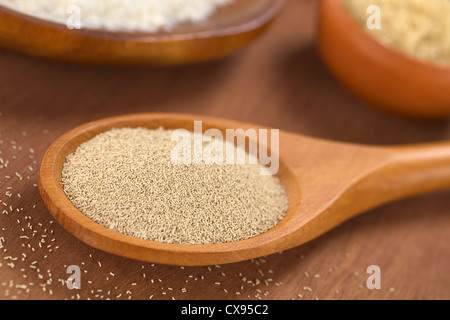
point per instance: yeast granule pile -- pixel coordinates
(124, 179)
(419, 28)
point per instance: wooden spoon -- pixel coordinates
(230, 29)
(327, 183)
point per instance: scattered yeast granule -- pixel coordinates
(124, 179)
(126, 15)
(419, 28)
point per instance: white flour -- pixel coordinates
(126, 15)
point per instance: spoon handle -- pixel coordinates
(410, 170)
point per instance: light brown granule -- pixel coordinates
(419, 28)
(124, 179)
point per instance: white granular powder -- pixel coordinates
(124, 179)
(126, 15)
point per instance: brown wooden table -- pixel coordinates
(280, 82)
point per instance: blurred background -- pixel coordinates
(278, 81)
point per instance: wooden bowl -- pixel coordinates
(378, 75)
(230, 29)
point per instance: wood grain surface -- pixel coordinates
(278, 82)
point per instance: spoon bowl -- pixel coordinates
(228, 30)
(326, 182)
